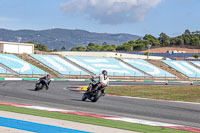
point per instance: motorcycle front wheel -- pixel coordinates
(96, 96)
(38, 86)
(84, 97)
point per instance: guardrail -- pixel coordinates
(66, 80)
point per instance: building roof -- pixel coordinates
(15, 43)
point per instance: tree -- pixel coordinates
(149, 37)
(107, 47)
(128, 47)
(164, 39)
(131, 42)
(187, 32)
(115, 46)
(63, 48)
(147, 53)
(187, 40)
(195, 41)
(179, 41)
(104, 43)
(40, 47)
(196, 33)
(52, 50)
(138, 47)
(91, 44)
(120, 48)
(94, 47)
(173, 41)
(152, 40)
(80, 48)
(74, 49)
(196, 56)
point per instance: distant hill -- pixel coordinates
(56, 38)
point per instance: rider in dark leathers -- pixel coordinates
(46, 80)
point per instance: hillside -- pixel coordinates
(186, 40)
(56, 38)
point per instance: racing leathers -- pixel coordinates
(103, 80)
(46, 81)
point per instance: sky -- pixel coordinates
(138, 17)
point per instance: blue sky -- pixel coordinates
(137, 17)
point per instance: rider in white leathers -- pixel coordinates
(103, 80)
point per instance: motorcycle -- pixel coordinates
(39, 85)
(91, 93)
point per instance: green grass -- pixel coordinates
(176, 93)
(91, 120)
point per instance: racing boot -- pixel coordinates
(103, 92)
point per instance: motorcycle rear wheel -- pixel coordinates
(97, 96)
(38, 86)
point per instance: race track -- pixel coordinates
(57, 97)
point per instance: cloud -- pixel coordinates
(111, 11)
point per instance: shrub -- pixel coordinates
(146, 53)
(195, 56)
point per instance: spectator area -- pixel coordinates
(4, 71)
(148, 68)
(184, 67)
(97, 64)
(58, 64)
(18, 65)
(197, 63)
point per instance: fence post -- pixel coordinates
(134, 76)
(19, 73)
(69, 74)
(196, 77)
(32, 73)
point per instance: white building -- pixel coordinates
(15, 47)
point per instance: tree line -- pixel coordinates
(43, 47)
(187, 39)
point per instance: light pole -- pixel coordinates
(149, 46)
(19, 39)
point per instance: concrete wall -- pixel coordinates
(108, 54)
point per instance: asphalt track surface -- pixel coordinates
(57, 97)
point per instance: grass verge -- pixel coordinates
(175, 93)
(91, 120)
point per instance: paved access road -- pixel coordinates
(57, 97)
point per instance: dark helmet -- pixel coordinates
(48, 75)
(104, 71)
